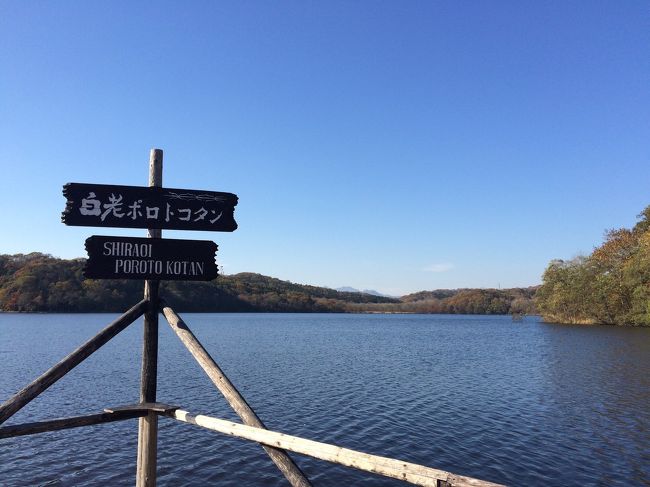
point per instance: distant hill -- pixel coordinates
(41, 283)
(427, 295)
(348, 289)
(473, 301)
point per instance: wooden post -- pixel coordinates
(282, 460)
(148, 425)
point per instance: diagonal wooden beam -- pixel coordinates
(281, 459)
(27, 394)
(68, 423)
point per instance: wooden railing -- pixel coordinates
(274, 443)
(388, 467)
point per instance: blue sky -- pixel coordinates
(398, 146)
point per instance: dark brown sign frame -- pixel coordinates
(150, 258)
(104, 205)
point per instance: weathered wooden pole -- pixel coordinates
(388, 467)
(148, 425)
(282, 460)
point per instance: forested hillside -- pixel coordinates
(472, 301)
(609, 286)
(39, 282)
(42, 283)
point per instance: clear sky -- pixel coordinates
(398, 146)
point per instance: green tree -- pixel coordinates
(610, 286)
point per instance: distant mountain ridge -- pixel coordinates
(41, 283)
(348, 289)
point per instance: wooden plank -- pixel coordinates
(104, 205)
(66, 423)
(148, 425)
(387, 467)
(165, 259)
(23, 397)
(282, 460)
(157, 407)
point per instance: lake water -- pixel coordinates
(521, 403)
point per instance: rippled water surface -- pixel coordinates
(521, 403)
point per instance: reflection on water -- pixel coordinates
(522, 403)
(596, 381)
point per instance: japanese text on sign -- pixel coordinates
(91, 206)
(147, 207)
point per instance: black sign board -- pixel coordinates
(103, 205)
(150, 258)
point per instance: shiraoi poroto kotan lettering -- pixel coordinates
(126, 249)
(168, 267)
(139, 266)
(150, 258)
(185, 268)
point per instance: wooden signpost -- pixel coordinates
(103, 205)
(148, 258)
(153, 258)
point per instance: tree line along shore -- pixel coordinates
(38, 282)
(609, 286)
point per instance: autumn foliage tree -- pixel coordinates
(610, 286)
